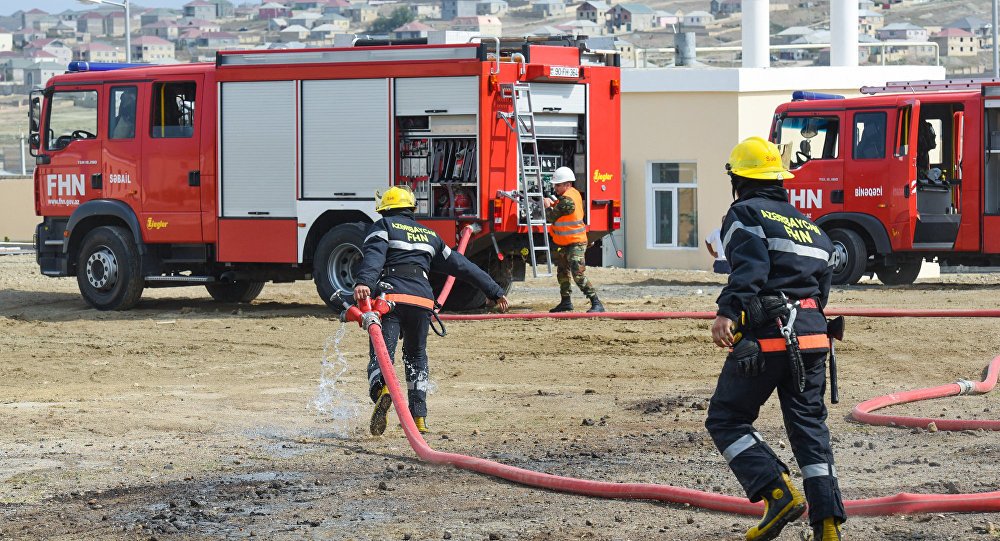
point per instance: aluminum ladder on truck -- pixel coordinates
(530, 173)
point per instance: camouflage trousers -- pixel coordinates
(570, 264)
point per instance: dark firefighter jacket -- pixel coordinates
(398, 255)
(773, 248)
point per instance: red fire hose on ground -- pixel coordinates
(368, 317)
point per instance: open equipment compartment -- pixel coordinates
(438, 144)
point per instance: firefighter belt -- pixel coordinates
(782, 312)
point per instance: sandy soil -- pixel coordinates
(186, 419)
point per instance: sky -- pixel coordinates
(55, 6)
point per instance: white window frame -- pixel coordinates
(651, 189)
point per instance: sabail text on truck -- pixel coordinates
(263, 166)
(908, 174)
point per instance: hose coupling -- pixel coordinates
(966, 386)
(370, 318)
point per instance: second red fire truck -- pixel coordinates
(906, 175)
(264, 165)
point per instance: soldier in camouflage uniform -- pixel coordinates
(569, 233)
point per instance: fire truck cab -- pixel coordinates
(264, 165)
(897, 179)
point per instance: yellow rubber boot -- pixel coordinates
(381, 412)
(782, 504)
(421, 424)
(828, 530)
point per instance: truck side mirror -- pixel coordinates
(34, 123)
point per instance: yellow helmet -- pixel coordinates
(397, 197)
(756, 158)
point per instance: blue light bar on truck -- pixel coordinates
(79, 65)
(805, 95)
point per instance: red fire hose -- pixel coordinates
(902, 503)
(863, 411)
(866, 312)
(463, 241)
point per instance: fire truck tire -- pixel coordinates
(851, 256)
(337, 256)
(899, 275)
(239, 291)
(109, 270)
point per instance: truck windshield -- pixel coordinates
(72, 116)
(808, 138)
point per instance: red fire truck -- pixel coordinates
(908, 174)
(264, 165)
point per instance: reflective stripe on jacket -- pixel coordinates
(399, 241)
(570, 229)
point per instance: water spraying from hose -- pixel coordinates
(331, 401)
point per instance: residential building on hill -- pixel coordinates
(902, 32)
(956, 42)
(200, 9)
(630, 18)
(152, 49)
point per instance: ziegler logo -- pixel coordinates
(602, 177)
(155, 224)
(868, 192)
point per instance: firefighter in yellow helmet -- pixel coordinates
(771, 316)
(399, 253)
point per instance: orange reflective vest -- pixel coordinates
(570, 229)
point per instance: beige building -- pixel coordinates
(956, 42)
(17, 209)
(152, 49)
(98, 52)
(678, 126)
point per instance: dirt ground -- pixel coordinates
(187, 419)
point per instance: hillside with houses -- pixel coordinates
(35, 44)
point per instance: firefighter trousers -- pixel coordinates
(736, 405)
(410, 323)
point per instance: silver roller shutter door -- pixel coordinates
(567, 99)
(437, 96)
(345, 138)
(258, 149)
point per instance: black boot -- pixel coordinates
(566, 305)
(595, 305)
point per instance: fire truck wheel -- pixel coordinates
(109, 271)
(850, 256)
(336, 257)
(899, 275)
(239, 291)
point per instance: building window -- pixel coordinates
(672, 205)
